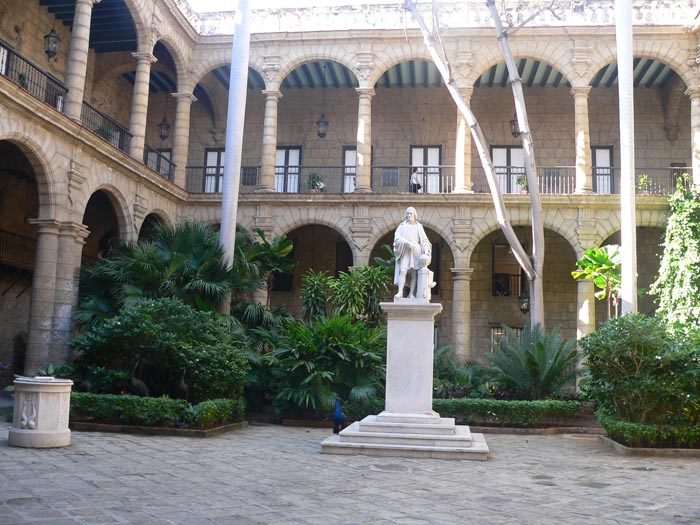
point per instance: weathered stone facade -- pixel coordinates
(69, 191)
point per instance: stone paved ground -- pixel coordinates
(276, 475)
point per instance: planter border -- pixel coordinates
(623, 450)
(85, 426)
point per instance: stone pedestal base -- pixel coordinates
(441, 439)
(40, 419)
(409, 427)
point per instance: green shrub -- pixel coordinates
(155, 411)
(483, 411)
(453, 378)
(534, 365)
(165, 338)
(130, 410)
(640, 374)
(218, 411)
(648, 435)
(330, 358)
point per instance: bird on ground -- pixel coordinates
(182, 388)
(137, 384)
(338, 418)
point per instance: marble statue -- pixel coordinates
(412, 250)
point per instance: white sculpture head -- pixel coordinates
(411, 215)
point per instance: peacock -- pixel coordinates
(338, 418)
(139, 387)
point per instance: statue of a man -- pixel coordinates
(412, 250)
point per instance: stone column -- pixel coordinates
(269, 141)
(181, 135)
(363, 171)
(77, 58)
(585, 307)
(71, 238)
(584, 182)
(461, 312)
(43, 293)
(139, 104)
(694, 93)
(463, 150)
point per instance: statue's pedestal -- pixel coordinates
(40, 419)
(408, 426)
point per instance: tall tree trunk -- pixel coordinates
(238, 89)
(532, 268)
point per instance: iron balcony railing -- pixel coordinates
(105, 127)
(31, 78)
(553, 180)
(158, 162)
(17, 250)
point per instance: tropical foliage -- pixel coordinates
(534, 364)
(677, 286)
(639, 373)
(602, 266)
(327, 359)
(163, 342)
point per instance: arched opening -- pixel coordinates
(101, 219)
(149, 225)
(19, 202)
(318, 248)
(498, 281)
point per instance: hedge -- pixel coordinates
(647, 435)
(491, 412)
(155, 411)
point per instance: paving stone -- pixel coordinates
(272, 474)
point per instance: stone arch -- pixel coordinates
(173, 49)
(399, 54)
(290, 66)
(311, 220)
(522, 51)
(137, 10)
(669, 54)
(45, 178)
(121, 210)
(195, 77)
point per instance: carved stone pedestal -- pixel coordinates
(42, 406)
(409, 427)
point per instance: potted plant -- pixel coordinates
(316, 182)
(644, 184)
(522, 182)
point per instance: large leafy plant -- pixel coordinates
(534, 364)
(327, 359)
(677, 286)
(639, 373)
(602, 266)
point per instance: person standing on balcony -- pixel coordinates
(414, 184)
(412, 250)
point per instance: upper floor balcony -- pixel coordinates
(553, 180)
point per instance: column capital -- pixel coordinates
(75, 229)
(46, 225)
(91, 2)
(467, 92)
(580, 91)
(144, 57)
(184, 97)
(365, 92)
(272, 93)
(693, 92)
(462, 274)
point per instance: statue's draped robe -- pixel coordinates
(410, 242)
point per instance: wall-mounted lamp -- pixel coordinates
(51, 43)
(524, 302)
(514, 128)
(322, 122)
(164, 126)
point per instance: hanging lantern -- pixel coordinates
(51, 43)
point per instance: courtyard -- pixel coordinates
(276, 475)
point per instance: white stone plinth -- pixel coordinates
(409, 427)
(42, 407)
(409, 356)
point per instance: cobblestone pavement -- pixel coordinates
(276, 475)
